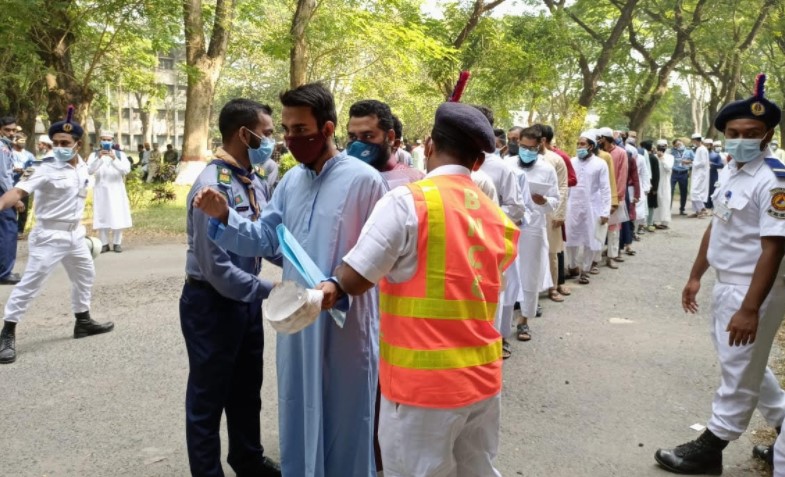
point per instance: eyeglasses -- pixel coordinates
(530, 148)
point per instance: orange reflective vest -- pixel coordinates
(438, 345)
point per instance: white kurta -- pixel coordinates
(699, 182)
(644, 175)
(589, 200)
(111, 209)
(662, 214)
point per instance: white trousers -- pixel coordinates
(580, 257)
(117, 235)
(423, 442)
(532, 264)
(613, 243)
(47, 249)
(746, 380)
(698, 205)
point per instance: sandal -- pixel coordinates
(661, 227)
(618, 259)
(524, 334)
(564, 290)
(554, 295)
(610, 264)
(595, 270)
(506, 349)
(572, 273)
(584, 280)
(631, 252)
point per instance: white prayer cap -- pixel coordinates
(717, 143)
(774, 141)
(45, 139)
(291, 307)
(591, 135)
(106, 133)
(697, 136)
(707, 141)
(605, 132)
(662, 142)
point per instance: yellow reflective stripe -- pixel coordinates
(453, 358)
(436, 308)
(436, 261)
(509, 242)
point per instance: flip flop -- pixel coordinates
(618, 259)
(584, 279)
(555, 296)
(631, 252)
(523, 333)
(563, 290)
(506, 349)
(595, 270)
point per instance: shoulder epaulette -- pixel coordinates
(777, 167)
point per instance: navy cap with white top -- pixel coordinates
(755, 107)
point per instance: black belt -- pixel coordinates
(195, 282)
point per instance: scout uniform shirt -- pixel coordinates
(749, 203)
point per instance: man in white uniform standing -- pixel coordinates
(58, 236)
(662, 214)
(588, 209)
(111, 210)
(533, 265)
(699, 179)
(745, 244)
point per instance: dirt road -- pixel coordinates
(591, 395)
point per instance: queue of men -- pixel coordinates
(421, 265)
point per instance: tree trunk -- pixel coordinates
(197, 117)
(298, 55)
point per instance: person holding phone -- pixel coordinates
(111, 209)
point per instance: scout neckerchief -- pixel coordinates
(226, 165)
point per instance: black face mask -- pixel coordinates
(512, 149)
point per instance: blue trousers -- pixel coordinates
(8, 232)
(225, 342)
(681, 179)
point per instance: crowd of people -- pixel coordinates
(436, 261)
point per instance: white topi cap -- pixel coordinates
(106, 133)
(697, 136)
(292, 307)
(708, 141)
(45, 139)
(604, 132)
(662, 142)
(590, 134)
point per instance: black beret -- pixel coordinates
(68, 126)
(754, 107)
(468, 121)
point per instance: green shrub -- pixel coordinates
(286, 162)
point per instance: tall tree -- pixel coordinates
(204, 63)
(298, 67)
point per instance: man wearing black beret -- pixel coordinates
(745, 244)
(58, 236)
(437, 248)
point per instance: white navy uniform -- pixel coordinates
(58, 236)
(749, 204)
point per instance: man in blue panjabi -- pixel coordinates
(326, 375)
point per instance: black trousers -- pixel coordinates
(681, 179)
(225, 342)
(21, 219)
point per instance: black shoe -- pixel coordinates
(86, 326)
(7, 346)
(764, 453)
(681, 212)
(701, 456)
(11, 279)
(118, 248)
(268, 468)
(105, 249)
(538, 313)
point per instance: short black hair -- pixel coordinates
(372, 107)
(515, 128)
(500, 135)
(532, 132)
(647, 144)
(238, 113)
(547, 132)
(456, 144)
(397, 127)
(486, 111)
(6, 120)
(314, 96)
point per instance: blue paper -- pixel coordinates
(294, 252)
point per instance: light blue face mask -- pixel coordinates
(527, 157)
(63, 154)
(744, 150)
(106, 145)
(261, 154)
(583, 153)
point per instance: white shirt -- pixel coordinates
(387, 246)
(507, 186)
(485, 184)
(60, 190)
(540, 172)
(756, 198)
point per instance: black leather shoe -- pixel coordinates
(118, 248)
(86, 326)
(703, 456)
(764, 453)
(538, 313)
(7, 347)
(268, 468)
(105, 249)
(11, 279)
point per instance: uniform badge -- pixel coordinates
(67, 127)
(758, 109)
(777, 208)
(259, 170)
(224, 176)
(238, 199)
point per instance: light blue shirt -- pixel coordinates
(6, 167)
(679, 156)
(327, 376)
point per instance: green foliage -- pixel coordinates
(286, 162)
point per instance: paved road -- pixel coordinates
(586, 397)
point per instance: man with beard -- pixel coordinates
(620, 167)
(662, 216)
(326, 375)
(371, 139)
(8, 225)
(699, 182)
